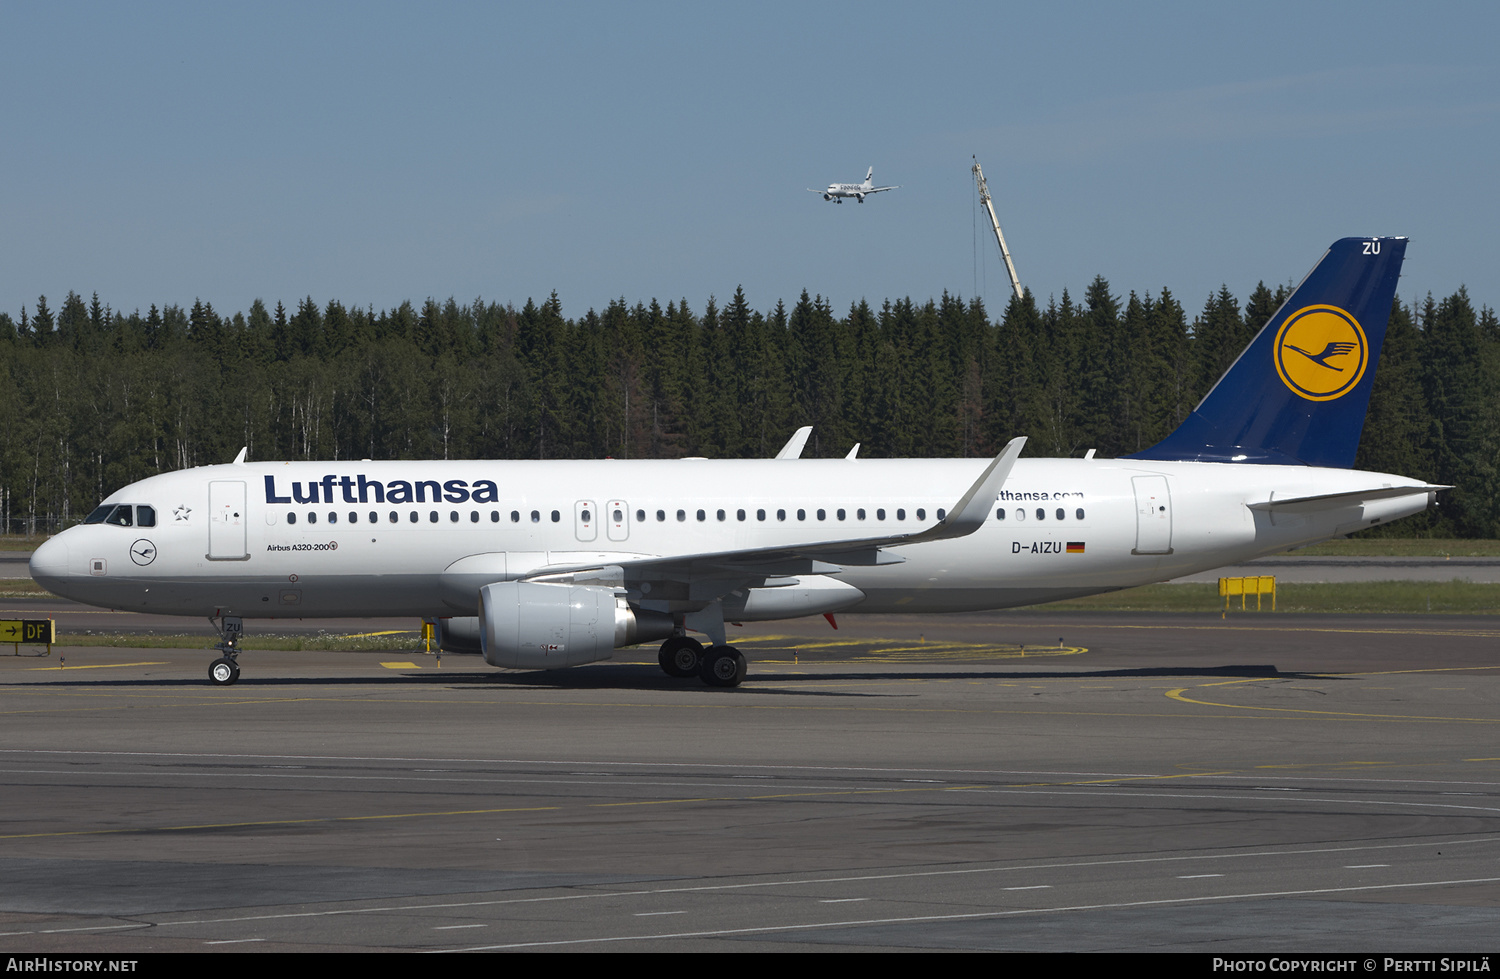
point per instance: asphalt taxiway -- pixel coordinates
(1023, 781)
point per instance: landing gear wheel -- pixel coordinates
(680, 656)
(223, 671)
(723, 666)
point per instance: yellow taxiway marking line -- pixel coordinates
(1466, 633)
(1125, 778)
(96, 666)
(401, 666)
(1178, 694)
(484, 812)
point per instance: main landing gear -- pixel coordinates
(226, 669)
(717, 666)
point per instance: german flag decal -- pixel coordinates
(1075, 547)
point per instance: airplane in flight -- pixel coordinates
(837, 192)
(546, 564)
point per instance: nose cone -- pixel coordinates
(49, 563)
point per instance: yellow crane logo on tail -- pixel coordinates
(1321, 352)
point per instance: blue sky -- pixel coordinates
(372, 152)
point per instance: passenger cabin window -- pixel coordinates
(1000, 514)
(291, 518)
(921, 514)
(556, 516)
(333, 517)
(1041, 514)
(1080, 513)
(312, 518)
(1061, 513)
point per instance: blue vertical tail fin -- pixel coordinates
(1298, 394)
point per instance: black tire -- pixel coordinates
(223, 672)
(723, 666)
(680, 656)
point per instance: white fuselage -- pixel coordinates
(266, 540)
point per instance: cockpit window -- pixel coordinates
(100, 513)
(145, 516)
(122, 517)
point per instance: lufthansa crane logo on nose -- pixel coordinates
(143, 552)
(1321, 352)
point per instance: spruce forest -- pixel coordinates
(95, 399)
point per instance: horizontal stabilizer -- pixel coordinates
(1332, 501)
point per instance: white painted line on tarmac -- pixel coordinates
(975, 916)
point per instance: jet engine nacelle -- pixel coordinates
(828, 197)
(532, 625)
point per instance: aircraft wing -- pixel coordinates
(795, 444)
(876, 190)
(719, 571)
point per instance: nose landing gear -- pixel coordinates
(226, 669)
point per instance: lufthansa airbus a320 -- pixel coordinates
(541, 565)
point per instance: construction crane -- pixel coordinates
(984, 197)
